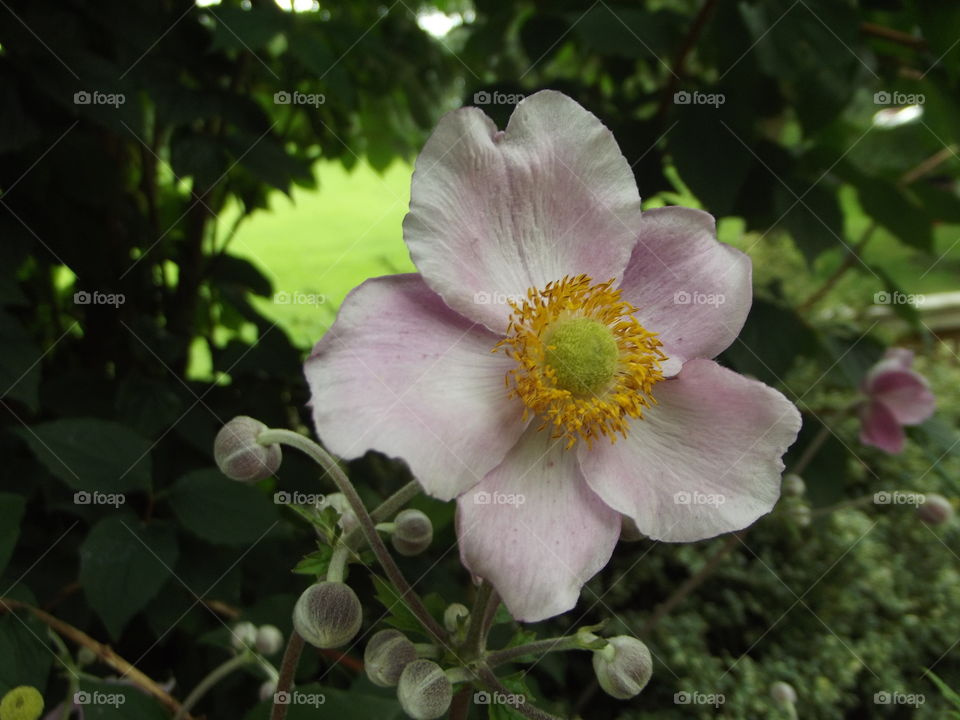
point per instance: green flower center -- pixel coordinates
(583, 354)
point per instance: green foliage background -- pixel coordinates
(199, 199)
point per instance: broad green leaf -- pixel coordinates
(91, 454)
(222, 511)
(122, 566)
(309, 702)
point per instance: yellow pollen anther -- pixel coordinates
(584, 363)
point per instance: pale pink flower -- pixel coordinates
(897, 395)
(614, 317)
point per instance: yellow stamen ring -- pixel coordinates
(584, 363)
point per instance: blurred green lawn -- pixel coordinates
(318, 245)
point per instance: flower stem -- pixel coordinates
(476, 639)
(538, 647)
(338, 563)
(212, 678)
(288, 667)
(322, 458)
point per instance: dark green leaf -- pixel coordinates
(11, 511)
(91, 454)
(222, 511)
(122, 565)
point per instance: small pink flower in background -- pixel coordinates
(549, 319)
(897, 396)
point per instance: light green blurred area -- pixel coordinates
(318, 245)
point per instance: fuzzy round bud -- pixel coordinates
(238, 454)
(243, 635)
(267, 690)
(22, 703)
(783, 693)
(86, 656)
(801, 514)
(387, 653)
(629, 532)
(424, 690)
(624, 667)
(327, 615)
(935, 509)
(412, 532)
(793, 485)
(269, 640)
(455, 616)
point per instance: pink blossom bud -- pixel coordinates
(935, 509)
(623, 667)
(783, 693)
(387, 653)
(424, 690)
(412, 532)
(328, 615)
(238, 454)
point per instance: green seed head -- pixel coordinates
(583, 353)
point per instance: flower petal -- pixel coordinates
(880, 428)
(705, 460)
(493, 214)
(691, 289)
(906, 395)
(541, 549)
(401, 373)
